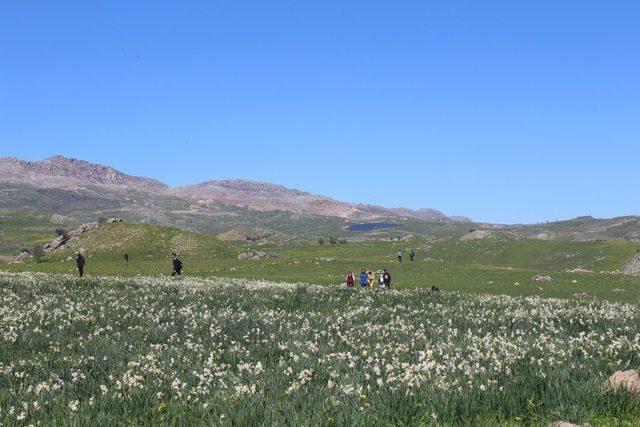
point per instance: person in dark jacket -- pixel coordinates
(80, 262)
(387, 279)
(125, 256)
(177, 265)
(412, 255)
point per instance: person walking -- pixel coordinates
(125, 256)
(371, 278)
(412, 255)
(364, 281)
(80, 262)
(177, 265)
(387, 279)
(399, 255)
(350, 279)
(381, 280)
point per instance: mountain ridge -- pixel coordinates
(75, 174)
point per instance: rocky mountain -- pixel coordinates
(65, 173)
(268, 197)
(96, 183)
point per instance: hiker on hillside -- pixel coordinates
(387, 279)
(364, 280)
(177, 265)
(412, 255)
(400, 255)
(371, 278)
(351, 281)
(125, 256)
(80, 262)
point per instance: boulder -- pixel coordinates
(541, 278)
(562, 424)
(629, 380)
(632, 266)
(24, 255)
(252, 255)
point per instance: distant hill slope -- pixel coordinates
(83, 191)
(86, 180)
(583, 228)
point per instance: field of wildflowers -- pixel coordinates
(236, 352)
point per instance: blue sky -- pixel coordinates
(506, 111)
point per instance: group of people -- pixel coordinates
(177, 264)
(412, 255)
(368, 279)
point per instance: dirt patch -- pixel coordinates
(233, 235)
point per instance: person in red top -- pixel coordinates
(350, 279)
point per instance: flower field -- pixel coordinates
(235, 352)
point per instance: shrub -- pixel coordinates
(37, 253)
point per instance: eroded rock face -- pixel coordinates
(629, 380)
(632, 266)
(24, 255)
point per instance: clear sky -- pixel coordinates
(505, 111)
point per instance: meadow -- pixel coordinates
(495, 266)
(157, 351)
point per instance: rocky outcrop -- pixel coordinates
(252, 255)
(24, 255)
(632, 266)
(541, 278)
(66, 173)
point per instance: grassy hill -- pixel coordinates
(502, 263)
(20, 230)
(149, 248)
(557, 255)
(494, 265)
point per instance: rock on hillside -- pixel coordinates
(65, 173)
(632, 266)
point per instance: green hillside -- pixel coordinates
(542, 254)
(20, 230)
(149, 248)
(492, 265)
